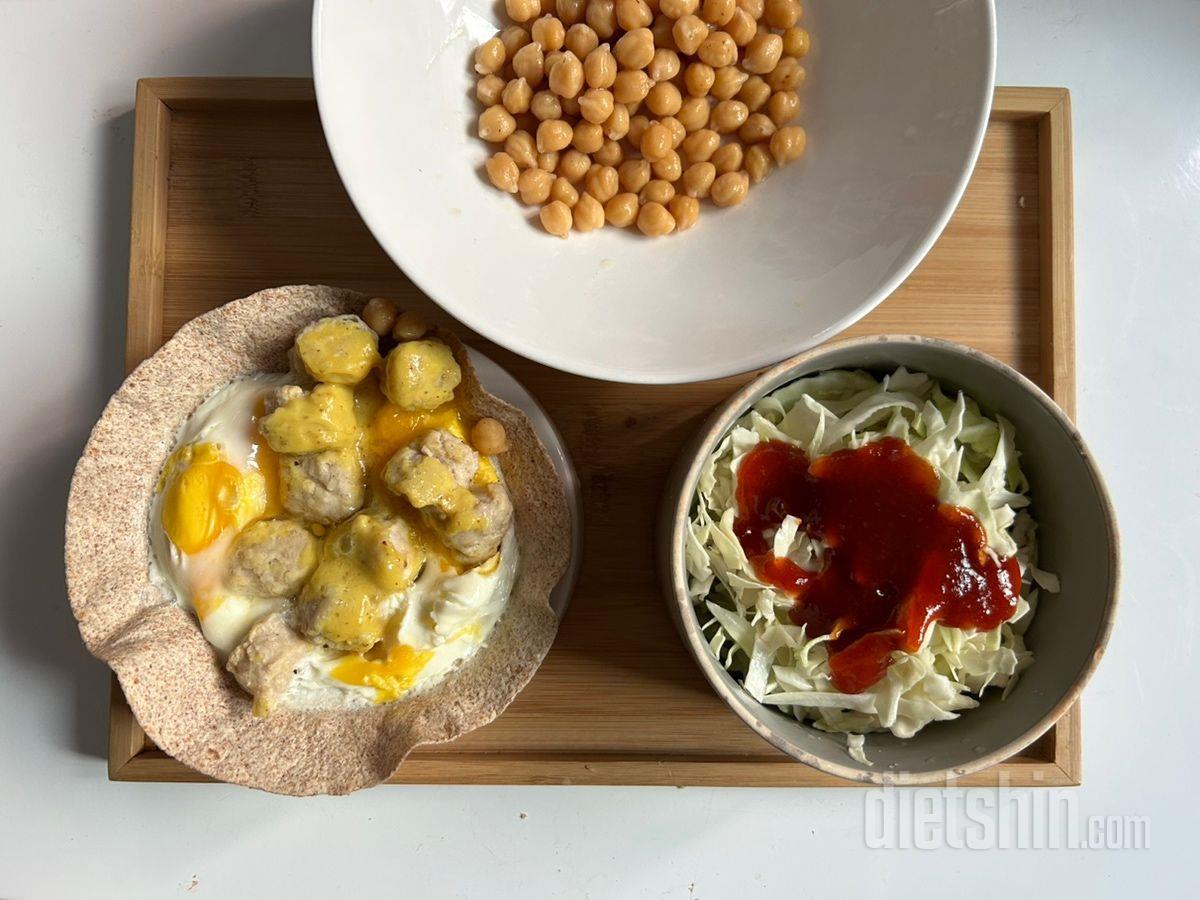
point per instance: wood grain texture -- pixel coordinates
(253, 201)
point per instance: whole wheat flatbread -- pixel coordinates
(174, 682)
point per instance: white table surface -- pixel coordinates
(67, 71)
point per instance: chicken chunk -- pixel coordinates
(338, 349)
(308, 422)
(457, 465)
(421, 375)
(365, 561)
(271, 558)
(265, 662)
(281, 395)
(323, 487)
(475, 534)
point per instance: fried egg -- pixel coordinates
(220, 477)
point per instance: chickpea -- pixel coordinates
(621, 210)
(530, 64)
(758, 162)
(787, 76)
(718, 12)
(675, 9)
(496, 124)
(534, 186)
(754, 93)
(609, 154)
(554, 134)
(718, 50)
(728, 158)
(781, 13)
(616, 126)
(693, 113)
(796, 42)
(556, 218)
(635, 49)
(566, 75)
(409, 327)
(489, 56)
(548, 162)
(678, 132)
(664, 66)
(581, 40)
(521, 147)
(762, 54)
(656, 142)
(742, 28)
(701, 146)
(570, 12)
(783, 106)
(514, 37)
(596, 105)
(564, 191)
(602, 16)
(752, 7)
(664, 99)
(588, 213)
(380, 315)
(488, 89)
(546, 105)
(699, 78)
(549, 32)
(522, 10)
(633, 14)
(787, 144)
(503, 172)
(730, 189)
(516, 96)
(654, 221)
(602, 183)
(669, 168)
(663, 31)
(587, 137)
(685, 211)
(637, 129)
(570, 107)
(488, 437)
(600, 68)
(573, 165)
(631, 86)
(690, 33)
(757, 128)
(633, 174)
(727, 82)
(728, 116)
(698, 178)
(657, 191)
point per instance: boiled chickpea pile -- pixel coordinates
(633, 111)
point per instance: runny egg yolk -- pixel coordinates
(391, 672)
(205, 494)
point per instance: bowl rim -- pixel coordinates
(408, 258)
(676, 515)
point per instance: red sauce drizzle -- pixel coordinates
(897, 561)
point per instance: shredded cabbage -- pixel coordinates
(745, 621)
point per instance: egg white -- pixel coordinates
(451, 615)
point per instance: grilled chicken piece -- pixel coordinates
(271, 558)
(489, 521)
(323, 487)
(265, 662)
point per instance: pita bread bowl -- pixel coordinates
(307, 544)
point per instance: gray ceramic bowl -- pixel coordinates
(1077, 540)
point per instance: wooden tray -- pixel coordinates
(234, 190)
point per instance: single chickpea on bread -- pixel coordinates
(680, 100)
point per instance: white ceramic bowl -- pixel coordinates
(896, 104)
(1077, 540)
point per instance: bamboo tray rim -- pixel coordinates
(129, 757)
